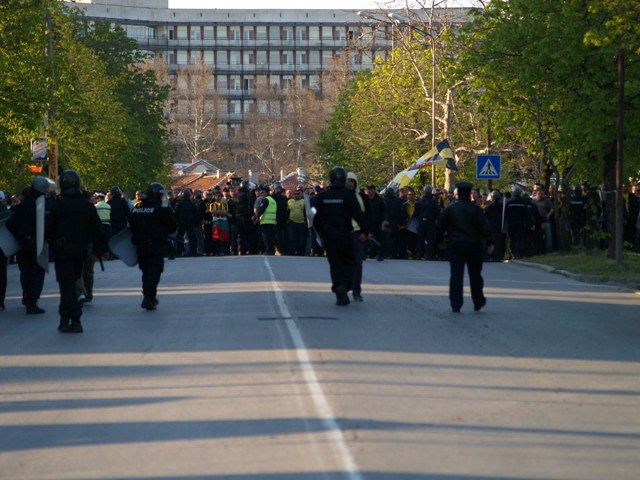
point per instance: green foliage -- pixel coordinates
(108, 112)
(547, 88)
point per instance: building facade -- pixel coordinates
(243, 49)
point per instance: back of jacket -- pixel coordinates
(151, 224)
(73, 223)
(336, 208)
(464, 220)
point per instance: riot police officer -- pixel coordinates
(74, 228)
(22, 225)
(336, 208)
(151, 223)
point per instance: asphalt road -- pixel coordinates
(249, 371)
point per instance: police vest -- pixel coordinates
(269, 215)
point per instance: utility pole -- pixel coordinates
(52, 143)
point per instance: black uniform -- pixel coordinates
(467, 231)
(151, 224)
(427, 211)
(187, 216)
(336, 208)
(73, 228)
(22, 225)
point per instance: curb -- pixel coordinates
(627, 284)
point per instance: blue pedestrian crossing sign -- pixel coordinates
(488, 167)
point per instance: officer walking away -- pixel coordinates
(22, 225)
(73, 229)
(151, 223)
(358, 246)
(336, 208)
(467, 230)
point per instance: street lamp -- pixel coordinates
(400, 20)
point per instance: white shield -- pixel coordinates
(122, 246)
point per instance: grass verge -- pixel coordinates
(595, 264)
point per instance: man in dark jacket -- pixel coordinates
(393, 218)
(375, 219)
(467, 232)
(243, 209)
(151, 224)
(119, 211)
(427, 212)
(336, 209)
(22, 225)
(518, 219)
(186, 215)
(493, 213)
(73, 229)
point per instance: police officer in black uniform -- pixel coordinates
(467, 232)
(336, 208)
(74, 228)
(22, 225)
(151, 223)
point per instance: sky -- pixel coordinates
(297, 4)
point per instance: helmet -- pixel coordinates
(389, 192)
(41, 184)
(116, 191)
(496, 195)
(338, 177)
(516, 191)
(428, 189)
(155, 191)
(244, 184)
(69, 179)
(277, 185)
(185, 194)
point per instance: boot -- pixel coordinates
(64, 323)
(148, 303)
(74, 327)
(34, 309)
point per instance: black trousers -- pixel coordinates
(31, 276)
(467, 253)
(69, 266)
(341, 256)
(151, 264)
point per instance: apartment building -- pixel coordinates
(246, 48)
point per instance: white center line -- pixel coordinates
(320, 401)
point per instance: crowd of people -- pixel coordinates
(247, 219)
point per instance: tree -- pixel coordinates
(546, 88)
(24, 85)
(197, 110)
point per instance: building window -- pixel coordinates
(301, 58)
(261, 32)
(234, 33)
(327, 33)
(207, 57)
(208, 32)
(182, 32)
(248, 84)
(261, 58)
(221, 33)
(195, 33)
(287, 57)
(249, 58)
(274, 57)
(249, 33)
(274, 33)
(234, 57)
(301, 33)
(314, 33)
(183, 57)
(287, 33)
